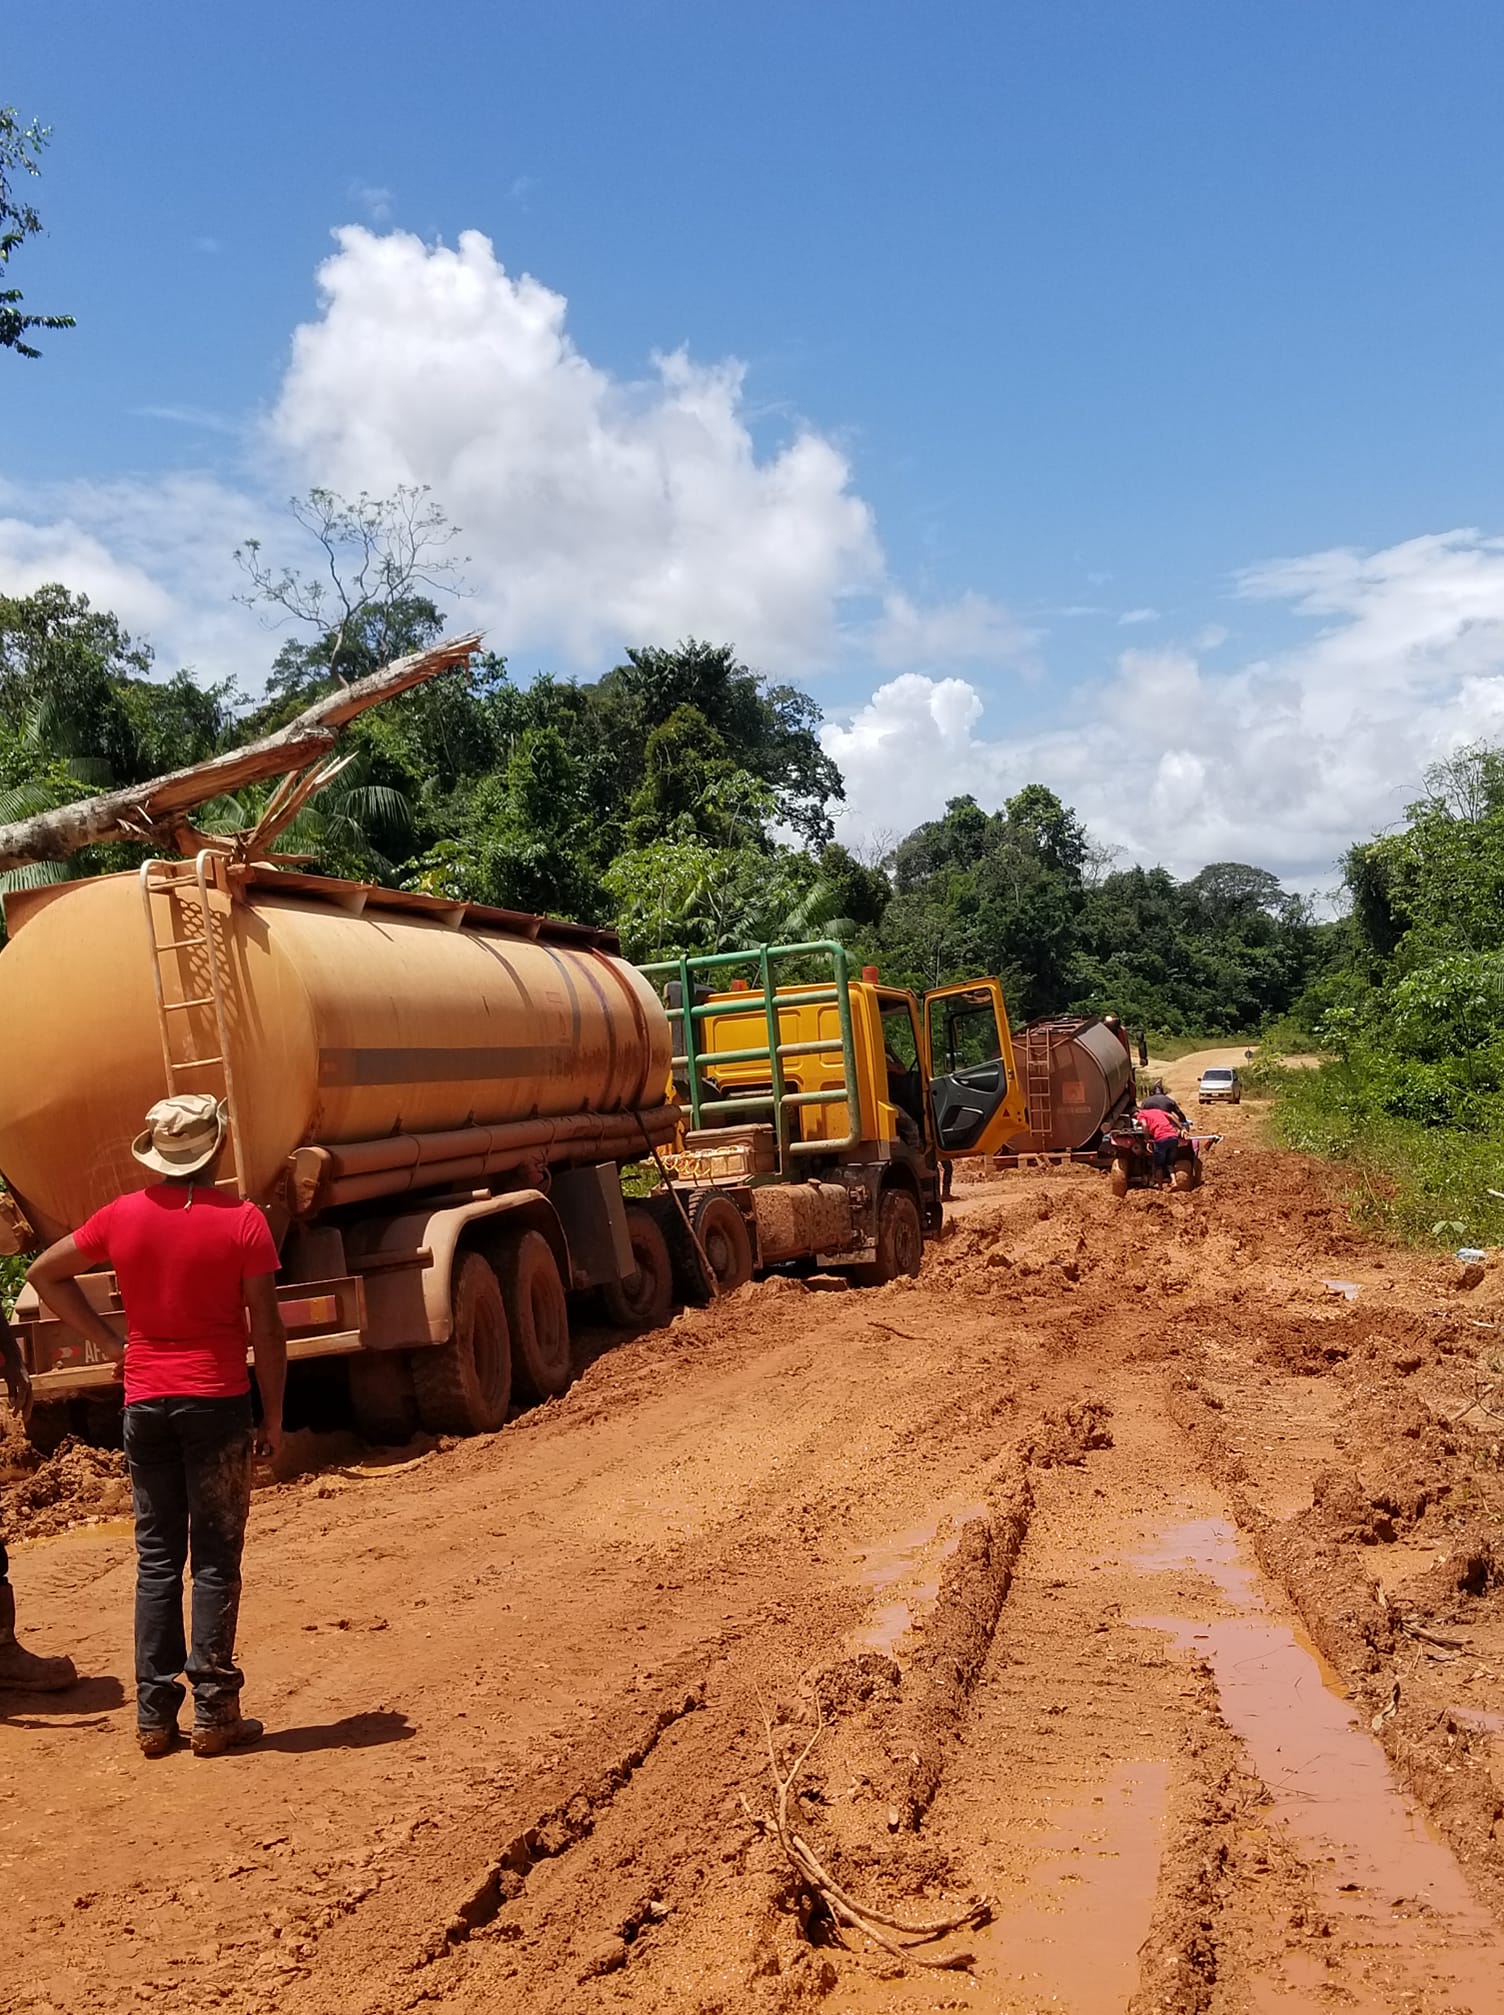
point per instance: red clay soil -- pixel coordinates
(1088, 1552)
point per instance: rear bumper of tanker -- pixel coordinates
(323, 1318)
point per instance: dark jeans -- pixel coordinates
(190, 1465)
(1164, 1153)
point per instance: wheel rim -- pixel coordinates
(486, 1349)
(641, 1291)
(718, 1251)
(908, 1241)
(550, 1327)
(726, 1244)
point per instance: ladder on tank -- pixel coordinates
(1038, 1047)
(178, 891)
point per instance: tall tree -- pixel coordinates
(20, 154)
(381, 560)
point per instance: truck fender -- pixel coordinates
(408, 1305)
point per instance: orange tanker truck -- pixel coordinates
(434, 1101)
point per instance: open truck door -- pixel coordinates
(978, 1104)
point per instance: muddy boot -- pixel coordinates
(23, 1669)
(222, 1735)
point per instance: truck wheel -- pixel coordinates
(537, 1314)
(900, 1241)
(644, 1300)
(722, 1231)
(382, 1397)
(48, 1425)
(100, 1421)
(464, 1386)
(1119, 1177)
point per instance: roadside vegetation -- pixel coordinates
(687, 800)
(1410, 1014)
(680, 796)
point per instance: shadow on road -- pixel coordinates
(79, 1706)
(356, 1731)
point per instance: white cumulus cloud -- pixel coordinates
(159, 553)
(597, 511)
(970, 630)
(1282, 760)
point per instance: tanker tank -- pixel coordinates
(425, 1038)
(1089, 1074)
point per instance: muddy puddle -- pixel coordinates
(903, 1571)
(1066, 1936)
(86, 1528)
(1071, 1940)
(1411, 1932)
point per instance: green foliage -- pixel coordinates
(680, 796)
(1411, 1180)
(1437, 886)
(12, 1279)
(20, 154)
(1014, 893)
(1216, 955)
(1414, 1016)
(379, 561)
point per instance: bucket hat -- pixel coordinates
(182, 1134)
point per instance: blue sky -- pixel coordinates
(1088, 309)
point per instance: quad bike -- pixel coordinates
(1132, 1152)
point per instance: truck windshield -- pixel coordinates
(968, 1036)
(898, 1034)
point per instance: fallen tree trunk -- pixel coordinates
(150, 811)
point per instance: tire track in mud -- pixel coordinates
(778, 1492)
(1437, 1756)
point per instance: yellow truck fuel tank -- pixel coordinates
(354, 1014)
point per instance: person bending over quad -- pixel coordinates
(1159, 1100)
(1164, 1133)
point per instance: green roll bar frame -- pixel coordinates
(780, 1101)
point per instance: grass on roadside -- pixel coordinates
(1421, 1185)
(1171, 1048)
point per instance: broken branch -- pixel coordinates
(151, 811)
(836, 1899)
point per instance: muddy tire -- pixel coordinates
(99, 1420)
(722, 1232)
(900, 1241)
(382, 1398)
(1118, 1179)
(537, 1315)
(48, 1425)
(465, 1386)
(1183, 1175)
(644, 1300)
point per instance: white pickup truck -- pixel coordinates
(1219, 1087)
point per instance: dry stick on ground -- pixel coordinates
(1481, 1396)
(843, 1907)
(154, 811)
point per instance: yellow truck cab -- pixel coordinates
(821, 1105)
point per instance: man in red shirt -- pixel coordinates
(1163, 1132)
(191, 1262)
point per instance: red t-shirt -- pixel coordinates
(1158, 1124)
(180, 1272)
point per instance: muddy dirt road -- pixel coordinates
(1139, 1561)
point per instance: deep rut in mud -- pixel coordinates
(1141, 1582)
